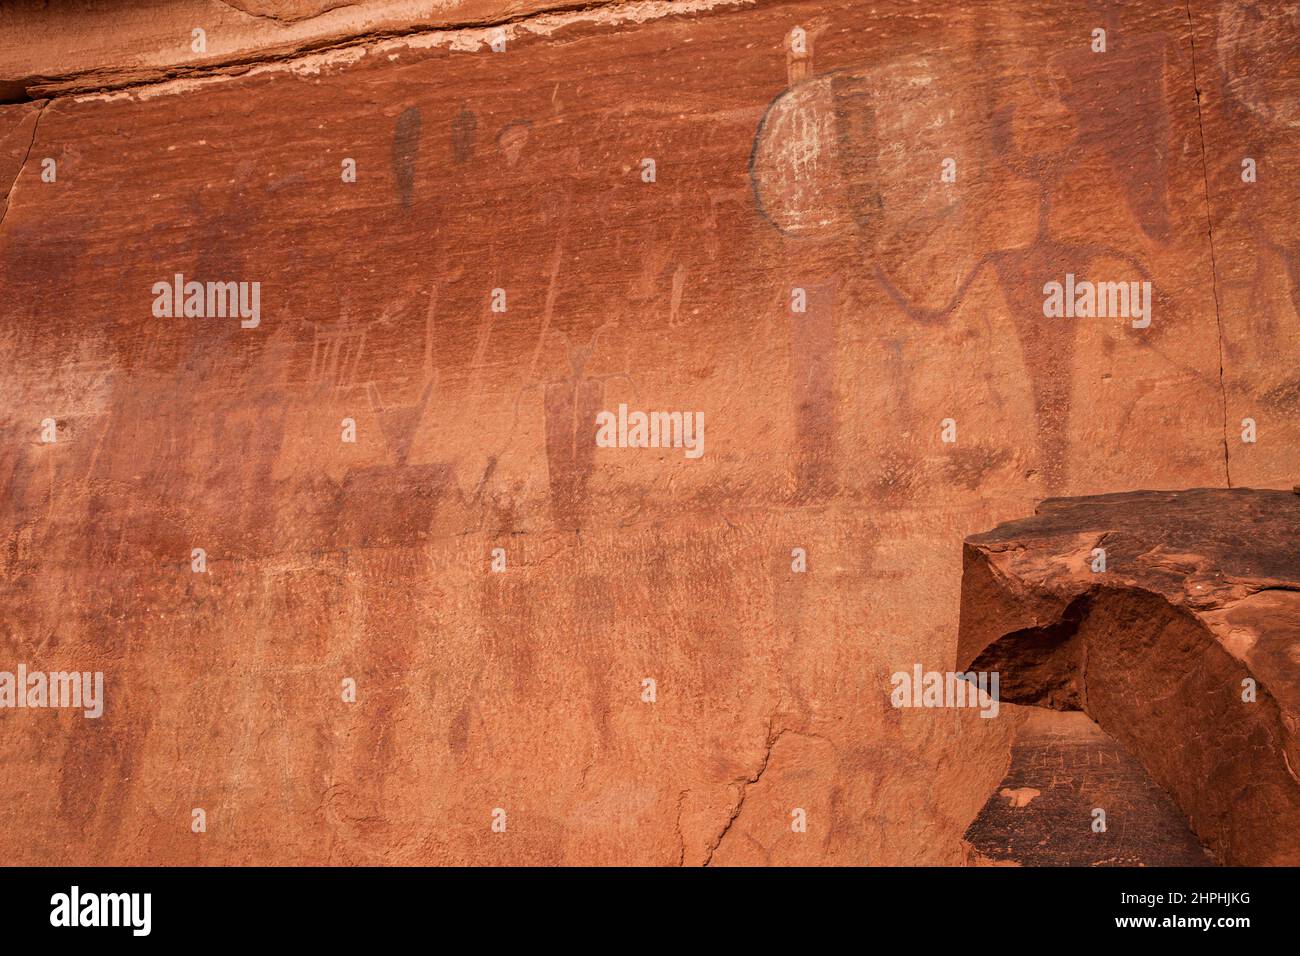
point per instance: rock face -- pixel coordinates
(82, 46)
(824, 226)
(1185, 646)
(1064, 769)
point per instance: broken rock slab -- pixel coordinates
(1172, 618)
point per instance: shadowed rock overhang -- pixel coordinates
(1173, 620)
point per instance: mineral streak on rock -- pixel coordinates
(1186, 648)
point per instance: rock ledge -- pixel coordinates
(1186, 647)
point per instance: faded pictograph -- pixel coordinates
(1255, 129)
(825, 145)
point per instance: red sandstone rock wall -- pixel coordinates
(818, 168)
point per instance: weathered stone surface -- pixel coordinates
(1064, 769)
(77, 46)
(1186, 648)
(819, 170)
(1247, 59)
